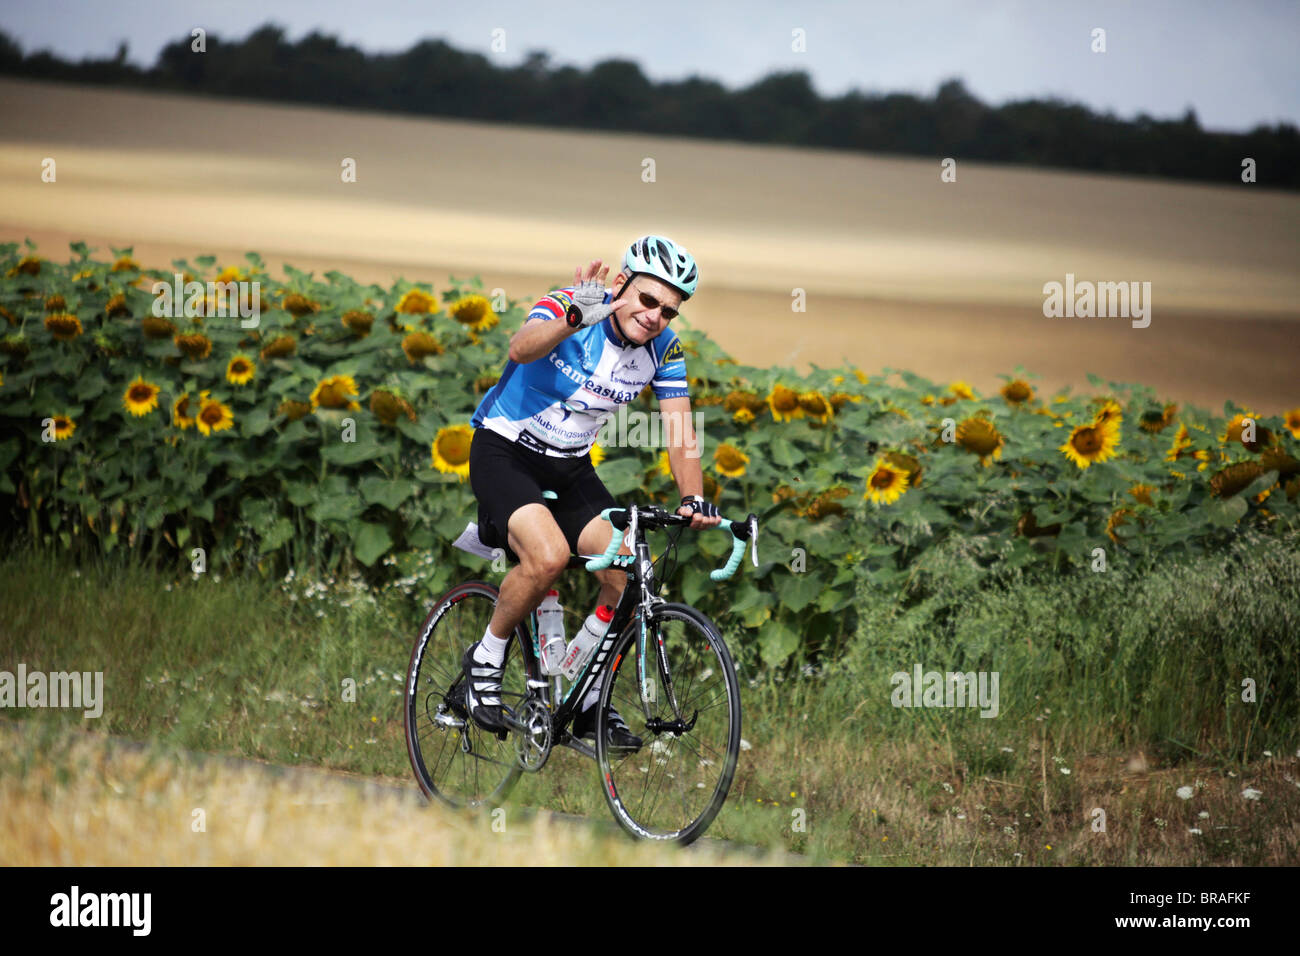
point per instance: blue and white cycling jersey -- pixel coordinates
(557, 403)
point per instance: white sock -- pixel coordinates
(491, 649)
(593, 695)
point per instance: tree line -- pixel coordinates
(434, 78)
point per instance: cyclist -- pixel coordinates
(583, 351)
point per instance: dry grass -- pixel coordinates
(75, 799)
(909, 801)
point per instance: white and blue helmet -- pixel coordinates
(662, 258)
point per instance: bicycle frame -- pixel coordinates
(640, 595)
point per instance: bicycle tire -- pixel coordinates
(486, 772)
(711, 745)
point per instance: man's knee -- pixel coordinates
(538, 541)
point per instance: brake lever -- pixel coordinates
(753, 538)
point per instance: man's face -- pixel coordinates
(641, 322)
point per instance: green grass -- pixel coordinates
(1131, 682)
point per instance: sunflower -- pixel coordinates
(743, 417)
(1118, 518)
(63, 427)
(181, 417)
(335, 392)
(63, 326)
(280, 347)
(154, 327)
(1142, 494)
(664, 466)
(857, 373)
(782, 493)
(1292, 420)
(1182, 441)
(228, 274)
(27, 265)
(826, 504)
(739, 400)
(815, 404)
(140, 397)
(240, 370)
(358, 322)
(927, 400)
(55, 303)
(116, 306)
(730, 460)
(886, 483)
(1236, 430)
(214, 416)
(1155, 422)
(16, 345)
(1275, 459)
(126, 264)
(299, 305)
(451, 450)
(1089, 444)
(293, 410)
(415, 302)
(1018, 391)
(1235, 478)
(909, 464)
(597, 455)
(195, 346)
(1109, 411)
(420, 345)
(784, 403)
(388, 405)
(961, 390)
(980, 437)
(485, 382)
(474, 312)
(839, 399)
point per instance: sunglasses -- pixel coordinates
(650, 302)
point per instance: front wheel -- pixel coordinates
(688, 719)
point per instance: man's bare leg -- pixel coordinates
(543, 553)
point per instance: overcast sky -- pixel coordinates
(1234, 62)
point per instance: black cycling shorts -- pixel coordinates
(505, 476)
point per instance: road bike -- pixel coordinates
(663, 665)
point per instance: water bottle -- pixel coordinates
(593, 629)
(550, 633)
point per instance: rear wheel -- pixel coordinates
(453, 758)
(688, 720)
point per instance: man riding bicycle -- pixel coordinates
(583, 351)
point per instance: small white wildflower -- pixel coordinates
(1268, 753)
(1194, 830)
(1184, 793)
(947, 786)
(1008, 750)
(1250, 793)
(1065, 770)
(1204, 814)
(745, 744)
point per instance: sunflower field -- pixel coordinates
(334, 436)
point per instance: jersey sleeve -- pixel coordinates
(553, 305)
(670, 377)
